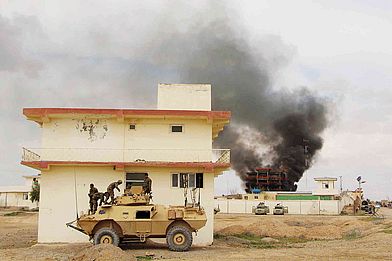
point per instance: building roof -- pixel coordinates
(9, 189)
(293, 192)
(219, 118)
(32, 176)
(209, 167)
(325, 179)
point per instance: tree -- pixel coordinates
(34, 194)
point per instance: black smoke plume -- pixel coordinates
(122, 58)
(242, 77)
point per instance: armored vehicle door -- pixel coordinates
(143, 221)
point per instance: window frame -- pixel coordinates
(192, 180)
(133, 180)
(176, 125)
(191, 184)
(172, 179)
(199, 180)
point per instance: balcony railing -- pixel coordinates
(28, 155)
(125, 155)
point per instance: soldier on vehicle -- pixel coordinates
(92, 201)
(110, 191)
(147, 184)
(100, 197)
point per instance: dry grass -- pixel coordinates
(254, 241)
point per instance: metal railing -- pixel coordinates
(125, 155)
(224, 156)
(28, 155)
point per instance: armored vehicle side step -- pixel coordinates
(133, 240)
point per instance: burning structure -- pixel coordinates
(266, 179)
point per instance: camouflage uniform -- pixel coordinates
(147, 185)
(110, 191)
(99, 196)
(93, 201)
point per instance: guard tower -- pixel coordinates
(326, 186)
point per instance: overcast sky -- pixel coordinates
(96, 54)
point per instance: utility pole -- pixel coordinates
(341, 185)
(360, 182)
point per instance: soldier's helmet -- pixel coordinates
(119, 181)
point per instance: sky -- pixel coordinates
(95, 54)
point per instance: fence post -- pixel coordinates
(300, 207)
(319, 206)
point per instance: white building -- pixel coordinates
(325, 186)
(18, 196)
(83, 146)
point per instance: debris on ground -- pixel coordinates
(103, 252)
(269, 240)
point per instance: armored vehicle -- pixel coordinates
(133, 219)
(261, 209)
(280, 210)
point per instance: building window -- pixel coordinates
(199, 180)
(26, 196)
(183, 180)
(132, 126)
(325, 185)
(176, 128)
(134, 179)
(191, 180)
(256, 197)
(246, 197)
(194, 180)
(175, 180)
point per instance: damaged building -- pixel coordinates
(266, 179)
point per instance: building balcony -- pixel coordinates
(56, 156)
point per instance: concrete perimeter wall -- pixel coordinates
(301, 207)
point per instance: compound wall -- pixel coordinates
(300, 207)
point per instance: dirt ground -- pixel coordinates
(237, 237)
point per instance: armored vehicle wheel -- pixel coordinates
(179, 239)
(106, 235)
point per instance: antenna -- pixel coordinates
(199, 176)
(184, 178)
(76, 195)
(199, 199)
(341, 184)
